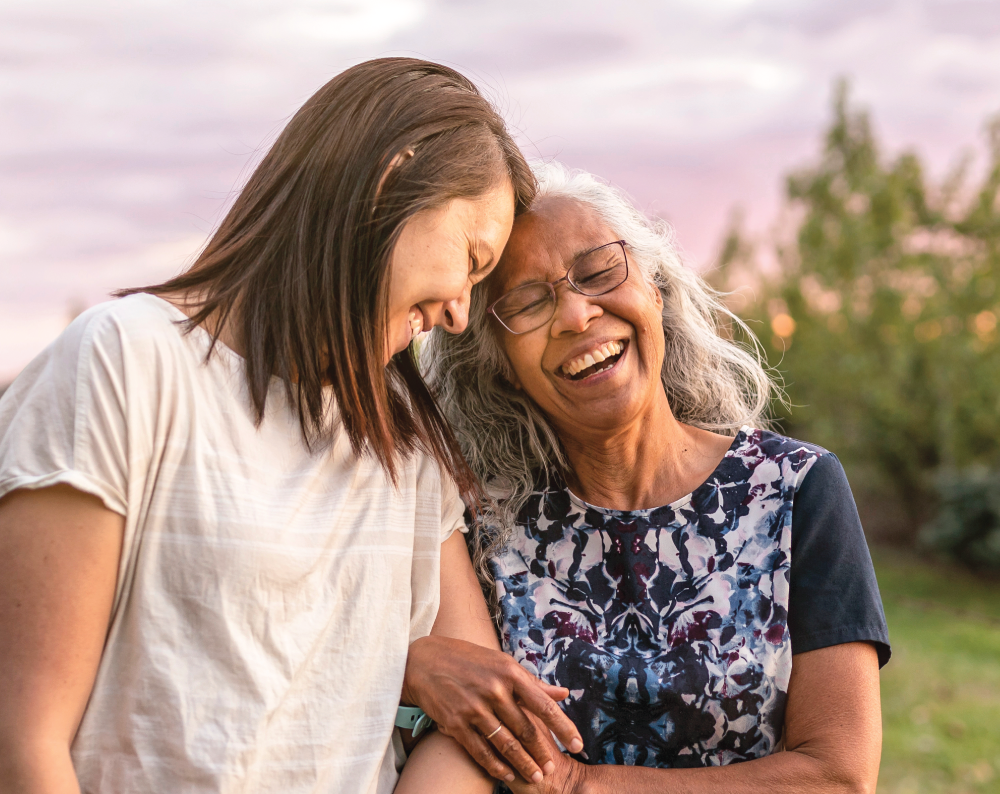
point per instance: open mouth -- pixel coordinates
(595, 361)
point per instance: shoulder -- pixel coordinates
(134, 326)
(430, 478)
(108, 355)
(776, 446)
(763, 451)
(142, 322)
(97, 342)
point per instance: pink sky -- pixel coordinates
(124, 127)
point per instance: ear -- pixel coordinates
(657, 296)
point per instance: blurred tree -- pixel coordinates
(882, 313)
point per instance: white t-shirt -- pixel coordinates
(266, 596)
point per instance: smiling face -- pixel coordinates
(595, 366)
(440, 255)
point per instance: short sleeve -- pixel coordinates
(452, 509)
(833, 594)
(63, 420)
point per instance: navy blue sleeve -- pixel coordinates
(833, 595)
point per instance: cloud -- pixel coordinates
(126, 126)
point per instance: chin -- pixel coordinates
(605, 414)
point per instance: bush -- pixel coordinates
(967, 526)
(881, 314)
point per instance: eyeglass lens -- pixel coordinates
(595, 273)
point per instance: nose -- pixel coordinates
(455, 313)
(574, 312)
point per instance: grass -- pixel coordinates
(941, 690)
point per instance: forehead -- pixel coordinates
(545, 241)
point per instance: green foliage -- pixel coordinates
(968, 522)
(882, 316)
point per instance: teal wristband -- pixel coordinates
(414, 719)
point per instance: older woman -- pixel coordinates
(700, 584)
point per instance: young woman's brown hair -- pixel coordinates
(298, 271)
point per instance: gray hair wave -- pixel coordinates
(711, 381)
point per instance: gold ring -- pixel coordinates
(496, 731)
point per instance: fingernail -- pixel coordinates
(575, 746)
(549, 768)
(536, 778)
(509, 777)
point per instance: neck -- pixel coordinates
(649, 462)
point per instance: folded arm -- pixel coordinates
(832, 738)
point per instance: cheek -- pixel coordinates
(654, 332)
(456, 284)
(657, 349)
(432, 284)
(523, 362)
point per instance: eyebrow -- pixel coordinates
(576, 255)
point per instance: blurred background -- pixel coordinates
(834, 166)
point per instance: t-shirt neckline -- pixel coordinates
(221, 348)
(180, 316)
(678, 503)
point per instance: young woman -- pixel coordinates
(223, 499)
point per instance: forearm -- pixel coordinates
(832, 734)
(36, 767)
(791, 772)
(439, 765)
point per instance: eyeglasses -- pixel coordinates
(593, 273)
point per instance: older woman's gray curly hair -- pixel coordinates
(711, 381)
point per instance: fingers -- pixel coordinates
(477, 747)
(469, 690)
(553, 691)
(522, 743)
(535, 699)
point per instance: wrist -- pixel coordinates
(407, 695)
(580, 780)
(419, 661)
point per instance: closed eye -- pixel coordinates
(598, 275)
(480, 271)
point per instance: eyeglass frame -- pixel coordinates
(552, 287)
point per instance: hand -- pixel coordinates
(567, 777)
(469, 690)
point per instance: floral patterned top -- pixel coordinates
(670, 626)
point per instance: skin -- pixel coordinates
(832, 737)
(59, 551)
(462, 617)
(440, 256)
(627, 452)
(60, 548)
(626, 448)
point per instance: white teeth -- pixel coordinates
(416, 324)
(593, 357)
